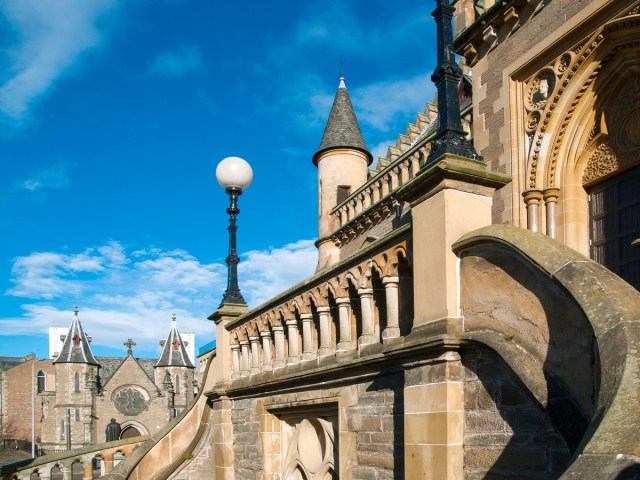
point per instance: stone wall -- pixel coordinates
(507, 434)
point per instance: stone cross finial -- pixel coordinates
(129, 344)
(173, 317)
(76, 310)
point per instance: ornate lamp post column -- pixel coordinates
(234, 175)
(451, 137)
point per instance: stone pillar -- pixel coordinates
(67, 473)
(307, 336)
(325, 331)
(266, 350)
(532, 200)
(255, 354)
(87, 471)
(278, 340)
(393, 311)
(244, 358)
(107, 458)
(550, 196)
(223, 439)
(434, 419)
(366, 306)
(222, 369)
(294, 354)
(344, 320)
(235, 360)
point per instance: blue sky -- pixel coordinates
(113, 117)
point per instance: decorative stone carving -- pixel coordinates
(311, 446)
(563, 63)
(130, 400)
(540, 89)
(603, 162)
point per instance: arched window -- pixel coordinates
(77, 382)
(41, 381)
(177, 384)
(77, 414)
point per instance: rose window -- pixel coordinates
(129, 401)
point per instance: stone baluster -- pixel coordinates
(344, 321)
(404, 172)
(294, 353)
(550, 196)
(244, 358)
(235, 360)
(532, 200)
(307, 336)
(67, 473)
(366, 306)
(255, 354)
(394, 179)
(278, 341)
(376, 192)
(325, 331)
(266, 350)
(391, 295)
(385, 185)
(87, 471)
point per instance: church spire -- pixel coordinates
(342, 130)
(174, 353)
(75, 348)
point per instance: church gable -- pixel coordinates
(129, 372)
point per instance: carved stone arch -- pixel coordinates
(243, 334)
(235, 337)
(339, 286)
(300, 304)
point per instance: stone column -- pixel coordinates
(434, 419)
(366, 307)
(550, 196)
(307, 336)
(244, 358)
(266, 350)
(344, 320)
(532, 200)
(294, 354)
(87, 471)
(325, 331)
(391, 295)
(255, 354)
(235, 360)
(66, 472)
(278, 340)
(107, 458)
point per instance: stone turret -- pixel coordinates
(174, 368)
(342, 160)
(76, 373)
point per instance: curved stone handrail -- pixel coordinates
(170, 447)
(611, 445)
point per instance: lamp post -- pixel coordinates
(234, 175)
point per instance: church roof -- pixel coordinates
(342, 130)
(174, 353)
(75, 348)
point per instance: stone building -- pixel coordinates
(78, 393)
(464, 320)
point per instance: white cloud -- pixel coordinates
(123, 293)
(380, 150)
(50, 38)
(178, 62)
(47, 178)
(379, 103)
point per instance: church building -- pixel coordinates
(77, 394)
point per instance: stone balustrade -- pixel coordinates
(352, 308)
(372, 194)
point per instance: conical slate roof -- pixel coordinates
(75, 348)
(342, 130)
(174, 354)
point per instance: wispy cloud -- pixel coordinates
(47, 178)
(178, 62)
(124, 293)
(49, 38)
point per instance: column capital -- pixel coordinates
(244, 343)
(532, 196)
(365, 291)
(266, 334)
(343, 301)
(235, 346)
(324, 309)
(391, 280)
(254, 339)
(305, 317)
(277, 329)
(291, 323)
(551, 194)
